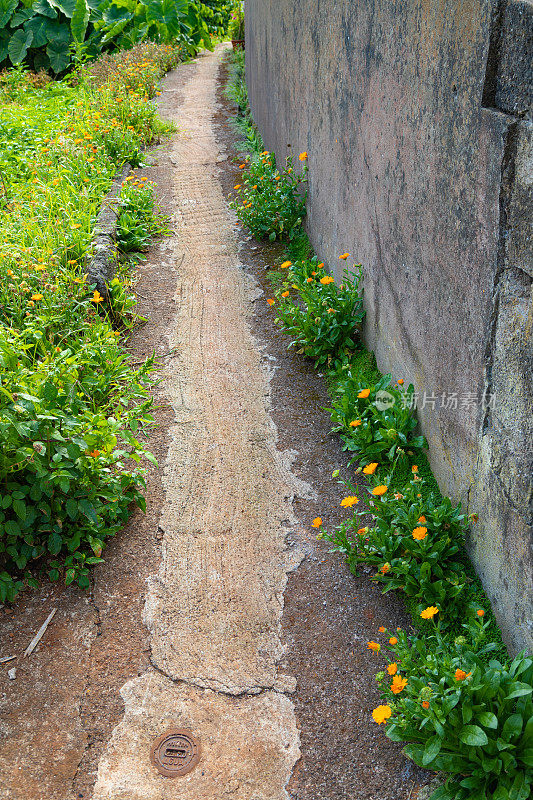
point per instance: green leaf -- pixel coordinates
(80, 20)
(43, 7)
(6, 11)
(487, 719)
(19, 507)
(66, 6)
(69, 577)
(18, 46)
(88, 509)
(59, 57)
(473, 736)
(431, 750)
(72, 508)
(54, 543)
(527, 757)
(520, 691)
(512, 727)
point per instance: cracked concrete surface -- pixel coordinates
(214, 609)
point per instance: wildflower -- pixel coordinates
(379, 490)
(242, 166)
(355, 423)
(393, 640)
(385, 568)
(238, 186)
(348, 502)
(398, 684)
(362, 531)
(94, 453)
(270, 301)
(363, 393)
(460, 675)
(370, 469)
(480, 612)
(429, 612)
(398, 496)
(285, 294)
(317, 522)
(331, 311)
(420, 533)
(309, 280)
(425, 704)
(392, 669)
(381, 713)
(400, 381)
(97, 297)
(327, 279)
(344, 256)
(303, 156)
(421, 519)
(285, 264)
(318, 266)
(381, 629)
(374, 646)
(37, 297)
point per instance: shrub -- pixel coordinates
(323, 318)
(461, 715)
(270, 202)
(139, 220)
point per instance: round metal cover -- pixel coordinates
(175, 753)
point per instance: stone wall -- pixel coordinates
(417, 119)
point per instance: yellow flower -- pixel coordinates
(97, 297)
(370, 469)
(392, 669)
(355, 423)
(374, 646)
(364, 393)
(76, 225)
(398, 684)
(327, 279)
(429, 612)
(379, 490)
(303, 156)
(317, 522)
(37, 296)
(348, 502)
(420, 533)
(381, 713)
(238, 186)
(285, 264)
(344, 256)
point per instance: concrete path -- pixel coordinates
(214, 610)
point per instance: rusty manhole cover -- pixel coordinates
(175, 753)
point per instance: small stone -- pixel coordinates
(12, 673)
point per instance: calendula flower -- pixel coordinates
(327, 279)
(238, 186)
(392, 669)
(363, 393)
(97, 297)
(270, 301)
(374, 646)
(37, 297)
(355, 423)
(285, 264)
(285, 294)
(379, 490)
(393, 640)
(381, 713)
(480, 612)
(381, 629)
(420, 533)
(421, 519)
(398, 684)
(385, 568)
(370, 468)
(414, 468)
(429, 612)
(425, 704)
(242, 166)
(94, 453)
(317, 522)
(344, 256)
(348, 502)
(362, 531)
(303, 156)
(460, 675)
(309, 280)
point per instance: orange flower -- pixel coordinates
(414, 468)
(242, 166)
(398, 684)
(400, 381)
(420, 533)
(422, 519)
(271, 302)
(398, 496)
(480, 612)
(374, 646)
(425, 704)
(285, 264)
(385, 568)
(317, 522)
(460, 675)
(370, 469)
(309, 280)
(97, 297)
(94, 453)
(238, 186)
(344, 256)
(285, 294)
(393, 640)
(327, 279)
(379, 490)
(303, 156)
(363, 393)
(318, 266)
(37, 296)
(429, 612)
(355, 423)
(392, 669)
(381, 713)
(381, 629)
(348, 502)
(361, 531)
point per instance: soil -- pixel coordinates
(58, 716)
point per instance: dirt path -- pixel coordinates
(217, 611)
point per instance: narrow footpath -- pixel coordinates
(218, 611)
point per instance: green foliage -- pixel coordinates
(462, 715)
(270, 202)
(236, 24)
(323, 318)
(139, 220)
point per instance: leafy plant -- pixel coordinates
(138, 220)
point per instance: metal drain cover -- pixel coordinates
(175, 753)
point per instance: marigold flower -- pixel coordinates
(364, 393)
(238, 186)
(97, 297)
(460, 675)
(480, 612)
(393, 640)
(285, 264)
(381, 713)
(370, 468)
(309, 280)
(37, 296)
(429, 612)
(317, 522)
(327, 279)
(422, 518)
(398, 684)
(420, 533)
(425, 704)
(381, 629)
(355, 423)
(242, 166)
(400, 381)
(344, 256)
(392, 669)
(374, 646)
(348, 502)
(270, 301)
(379, 490)
(385, 568)
(362, 531)
(285, 294)
(303, 156)
(318, 266)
